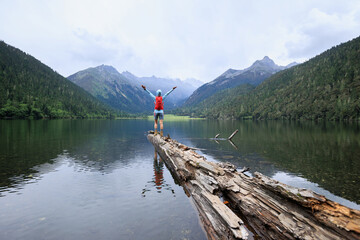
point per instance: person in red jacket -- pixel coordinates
(159, 108)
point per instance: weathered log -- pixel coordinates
(272, 209)
(217, 135)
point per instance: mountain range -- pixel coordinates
(253, 75)
(325, 87)
(123, 90)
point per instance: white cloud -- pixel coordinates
(200, 38)
(320, 31)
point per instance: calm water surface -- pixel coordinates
(97, 179)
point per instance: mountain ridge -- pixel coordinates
(108, 85)
(254, 75)
(324, 87)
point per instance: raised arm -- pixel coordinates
(166, 94)
(152, 95)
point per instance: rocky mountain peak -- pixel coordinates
(265, 62)
(106, 68)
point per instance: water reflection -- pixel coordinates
(326, 154)
(95, 145)
(157, 182)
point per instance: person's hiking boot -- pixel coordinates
(161, 133)
(156, 132)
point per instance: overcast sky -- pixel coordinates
(178, 39)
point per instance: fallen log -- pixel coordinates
(272, 209)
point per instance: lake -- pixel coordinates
(98, 179)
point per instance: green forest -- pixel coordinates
(325, 87)
(30, 89)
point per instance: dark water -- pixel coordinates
(97, 179)
(88, 179)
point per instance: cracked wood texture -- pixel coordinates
(272, 209)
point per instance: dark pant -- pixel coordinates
(158, 115)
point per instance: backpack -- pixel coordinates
(159, 105)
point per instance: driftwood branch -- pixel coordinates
(233, 134)
(272, 209)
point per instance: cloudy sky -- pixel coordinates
(178, 39)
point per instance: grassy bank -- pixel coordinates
(172, 117)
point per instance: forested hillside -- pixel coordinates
(325, 87)
(217, 105)
(30, 89)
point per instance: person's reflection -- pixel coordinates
(158, 178)
(158, 171)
